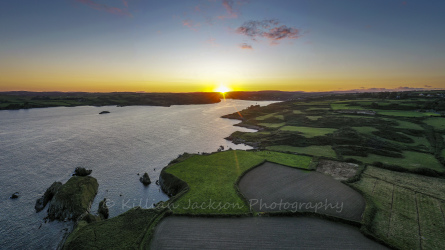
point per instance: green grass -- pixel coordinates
(443, 153)
(317, 109)
(126, 231)
(272, 125)
(418, 140)
(314, 118)
(365, 130)
(264, 117)
(406, 113)
(429, 185)
(407, 208)
(281, 117)
(325, 151)
(437, 122)
(406, 125)
(77, 194)
(297, 112)
(412, 160)
(357, 116)
(342, 106)
(309, 131)
(212, 178)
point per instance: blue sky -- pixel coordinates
(194, 45)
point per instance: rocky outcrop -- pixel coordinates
(73, 198)
(145, 179)
(14, 195)
(103, 209)
(170, 184)
(82, 171)
(104, 112)
(47, 196)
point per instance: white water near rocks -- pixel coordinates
(40, 146)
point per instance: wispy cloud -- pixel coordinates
(109, 9)
(228, 5)
(269, 29)
(212, 42)
(428, 86)
(191, 24)
(245, 46)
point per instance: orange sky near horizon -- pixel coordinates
(197, 45)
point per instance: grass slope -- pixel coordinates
(407, 208)
(309, 132)
(325, 151)
(126, 231)
(406, 113)
(212, 179)
(436, 122)
(411, 160)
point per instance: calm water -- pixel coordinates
(40, 146)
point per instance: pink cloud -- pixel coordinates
(212, 41)
(230, 7)
(103, 7)
(270, 29)
(125, 3)
(191, 24)
(245, 46)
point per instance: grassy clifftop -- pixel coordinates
(73, 198)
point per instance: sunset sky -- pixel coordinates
(197, 45)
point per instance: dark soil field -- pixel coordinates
(257, 233)
(276, 188)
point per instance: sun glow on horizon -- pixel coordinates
(222, 89)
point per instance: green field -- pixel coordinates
(365, 130)
(343, 106)
(212, 178)
(408, 208)
(314, 118)
(406, 113)
(264, 117)
(358, 116)
(420, 141)
(436, 122)
(309, 131)
(130, 230)
(317, 109)
(407, 125)
(412, 160)
(297, 112)
(325, 151)
(272, 125)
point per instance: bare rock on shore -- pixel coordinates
(145, 179)
(73, 199)
(103, 209)
(49, 194)
(79, 171)
(14, 195)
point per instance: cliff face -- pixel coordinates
(49, 194)
(73, 198)
(170, 184)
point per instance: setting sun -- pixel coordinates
(222, 89)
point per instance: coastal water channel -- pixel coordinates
(41, 146)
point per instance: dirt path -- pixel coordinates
(257, 233)
(273, 187)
